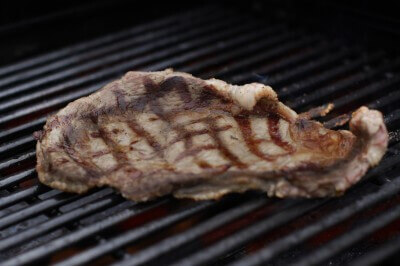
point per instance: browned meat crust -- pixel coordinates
(154, 133)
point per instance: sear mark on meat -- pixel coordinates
(155, 133)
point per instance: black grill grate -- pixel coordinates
(40, 225)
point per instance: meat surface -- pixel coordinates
(154, 133)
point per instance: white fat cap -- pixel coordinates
(248, 95)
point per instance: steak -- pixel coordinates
(150, 134)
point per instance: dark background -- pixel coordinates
(28, 28)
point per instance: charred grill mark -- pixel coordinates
(204, 164)
(87, 166)
(273, 127)
(204, 119)
(204, 131)
(139, 130)
(120, 99)
(94, 119)
(168, 85)
(191, 152)
(252, 144)
(191, 134)
(184, 135)
(160, 90)
(205, 98)
(208, 93)
(100, 153)
(212, 169)
(195, 151)
(151, 94)
(181, 87)
(115, 149)
(220, 145)
(188, 137)
(223, 128)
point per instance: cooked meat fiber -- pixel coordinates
(155, 133)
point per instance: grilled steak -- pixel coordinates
(154, 133)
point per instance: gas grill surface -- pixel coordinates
(307, 68)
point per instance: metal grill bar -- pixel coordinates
(73, 237)
(176, 62)
(11, 180)
(49, 18)
(56, 222)
(390, 98)
(368, 90)
(134, 40)
(51, 103)
(287, 242)
(384, 166)
(255, 47)
(352, 237)
(134, 235)
(35, 209)
(20, 195)
(104, 40)
(178, 240)
(13, 162)
(26, 127)
(331, 74)
(392, 117)
(286, 62)
(56, 200)
(328, 91)
(9, 147)
(251, 232)
(252, 60)
(130, 53)
(305, 69)
(81, 201)
(374, 257)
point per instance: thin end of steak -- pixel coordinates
(155, 133)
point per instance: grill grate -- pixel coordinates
(38, 224)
